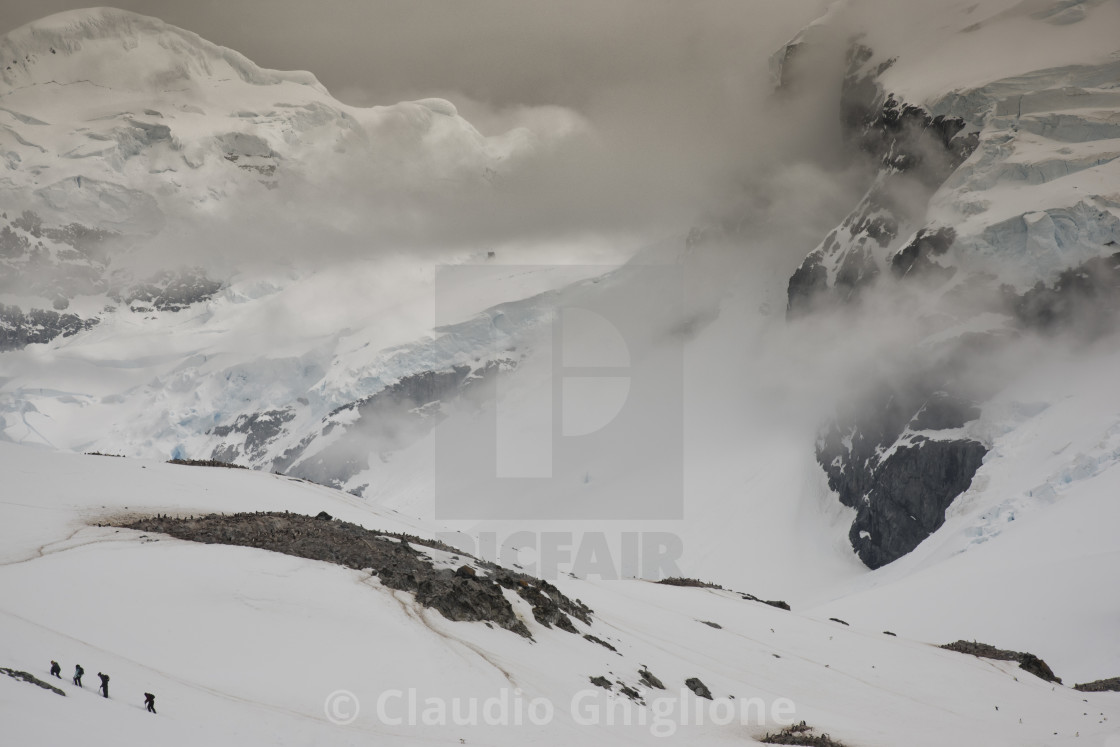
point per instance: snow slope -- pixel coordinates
(246, 645)
(1026, 559)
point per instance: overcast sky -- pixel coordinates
(501, 52)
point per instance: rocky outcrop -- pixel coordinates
(31, 679)
(895, 456)
(1027, 661)
(698, 688)
(915, 152)
(18, 330)
(169, 291)
(800, 734)
(260, 429)
(917, 259)
(648, 679)
(1099, 686)
(399, 562)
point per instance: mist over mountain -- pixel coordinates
(812, 302)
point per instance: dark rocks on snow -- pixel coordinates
(630, 692)
(168, 291)
(837, 620)
(1099, 686)
(19, 329)
(1027, 661)
(717, 626)
(647, 678)
(600, 641)
(915, 153)
(883, 454)
(205, 463)
(260, 429)
(698, 688)
(916, 258)
(31, 680)
(800, 734)
(772, 602)
(396, 563)
(695, 582)
(600, 681)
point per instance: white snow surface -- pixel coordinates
(245, 646)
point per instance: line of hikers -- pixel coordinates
(56, 670)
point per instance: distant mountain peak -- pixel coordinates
(120, 49)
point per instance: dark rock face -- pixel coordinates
(912, 490)
(600, 681)
(62, 262)
(600, 641)
(169, 291)
(31, 679)
(914, 153)
(884, 457)
(698, 688)
(1027, 661)
(1099, 686)
(916, 258)
(260, 429)
(394, 560)
(18, 330)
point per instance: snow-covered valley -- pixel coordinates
(875, 380)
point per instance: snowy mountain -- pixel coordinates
(993, 212)
(201, 259)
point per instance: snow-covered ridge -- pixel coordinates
(122, 121)
(119, 49)
(246, 621)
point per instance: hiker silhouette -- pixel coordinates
(150, 701)
(78, 672)
(56, 670)
(104, 684)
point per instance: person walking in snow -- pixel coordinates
(104, 684)
(150, 701)
(56, 670)
(78, 672)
